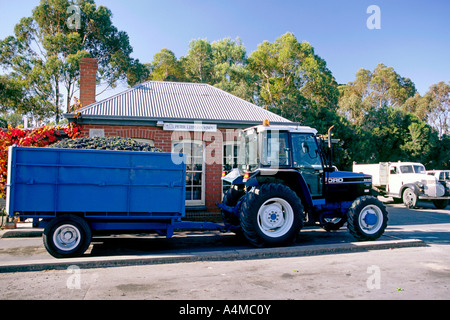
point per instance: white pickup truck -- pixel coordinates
(407, 181)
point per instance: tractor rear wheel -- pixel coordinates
(271, 215)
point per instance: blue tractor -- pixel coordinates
(285, 180)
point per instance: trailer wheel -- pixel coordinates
(67, 236)
(367, 218)
(271, 215)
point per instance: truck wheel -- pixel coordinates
(271, 215)
(409, 198)
(367, 218)
(67, 236)
(440, 204)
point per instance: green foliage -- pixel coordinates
(166, 67)
(198, 62)
(43, 56)
(373, 91)
(229, 68)
(3, 124)
(438, 112)
(377, 117)
(293, 81)
(392, 122)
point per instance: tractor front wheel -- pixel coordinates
(367, 218)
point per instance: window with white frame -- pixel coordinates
(195, 170)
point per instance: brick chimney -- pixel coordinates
(88, 73)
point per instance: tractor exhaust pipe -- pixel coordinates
(329, 136)
(330, 147)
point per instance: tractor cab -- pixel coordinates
(287, 152)
(270, 151)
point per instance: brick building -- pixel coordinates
(197, 119)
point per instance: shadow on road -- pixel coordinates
(424, 213)
(429, 236)
(183, 242)
(201, 241)
(403, 224)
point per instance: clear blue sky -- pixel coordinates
(414, 37)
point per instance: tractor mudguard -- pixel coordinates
(291, 177)
(252, 182)
(234, 177)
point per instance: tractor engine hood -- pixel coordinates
(346, 186)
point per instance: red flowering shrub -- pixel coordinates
(39, 137)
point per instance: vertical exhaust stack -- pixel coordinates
(330, 146)
(88, 76)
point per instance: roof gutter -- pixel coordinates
(144, 121)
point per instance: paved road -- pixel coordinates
(425, 223)
(406, 273)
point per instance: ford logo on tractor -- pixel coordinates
(335, 180)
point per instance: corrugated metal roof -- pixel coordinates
(157, 99)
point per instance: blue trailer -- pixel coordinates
(74, 194)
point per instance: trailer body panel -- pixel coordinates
(95, 183)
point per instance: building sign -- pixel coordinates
(96, 133)
(200, 127)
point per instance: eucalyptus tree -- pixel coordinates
(294, 82)
(165, 67)
(46, 49)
